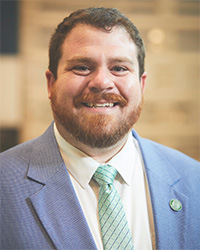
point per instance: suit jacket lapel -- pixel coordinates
(56, 203)
(170, 226)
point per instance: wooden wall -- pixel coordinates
(171, 34)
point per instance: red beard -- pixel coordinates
(95, 130)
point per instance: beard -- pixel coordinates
(95, 130)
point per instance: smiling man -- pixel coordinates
(90, 182)
(96, 95)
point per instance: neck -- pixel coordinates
(101, 155)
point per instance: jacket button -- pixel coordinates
(175, 205)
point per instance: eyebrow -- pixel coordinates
(121, 60)
(79, 59)
(89, 60)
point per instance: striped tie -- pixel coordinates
(114, 226)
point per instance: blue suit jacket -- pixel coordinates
(40, 210)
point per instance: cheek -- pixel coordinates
(131, 90)
(69, 89)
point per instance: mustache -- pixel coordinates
(97, 97)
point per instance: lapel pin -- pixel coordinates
(175, 205)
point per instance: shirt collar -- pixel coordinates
(82, 167)
(125, 160)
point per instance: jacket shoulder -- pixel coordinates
(160, 155)
(17, 153)
(20, 154)
(173, 155)
(149, 147)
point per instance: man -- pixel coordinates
(50, 192)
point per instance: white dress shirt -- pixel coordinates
(130, 183)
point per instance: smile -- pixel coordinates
(99, 105)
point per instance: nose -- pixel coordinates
(101, 80)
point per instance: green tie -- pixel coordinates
(114, 226)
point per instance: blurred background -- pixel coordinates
(171, 33)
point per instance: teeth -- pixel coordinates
(100, 105)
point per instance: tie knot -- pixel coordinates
(105, 174)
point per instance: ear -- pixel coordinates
(143, 81)
(50, 82)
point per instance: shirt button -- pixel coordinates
(175, 205)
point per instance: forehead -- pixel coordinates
(84, 36)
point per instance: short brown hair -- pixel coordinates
(105, 18)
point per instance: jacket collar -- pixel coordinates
(45, 159)
(56, 204)
(164, 185)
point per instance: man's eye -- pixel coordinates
(81, 70)
(119, 70)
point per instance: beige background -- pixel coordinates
(171, 34)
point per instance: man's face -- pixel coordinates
(97, 95)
